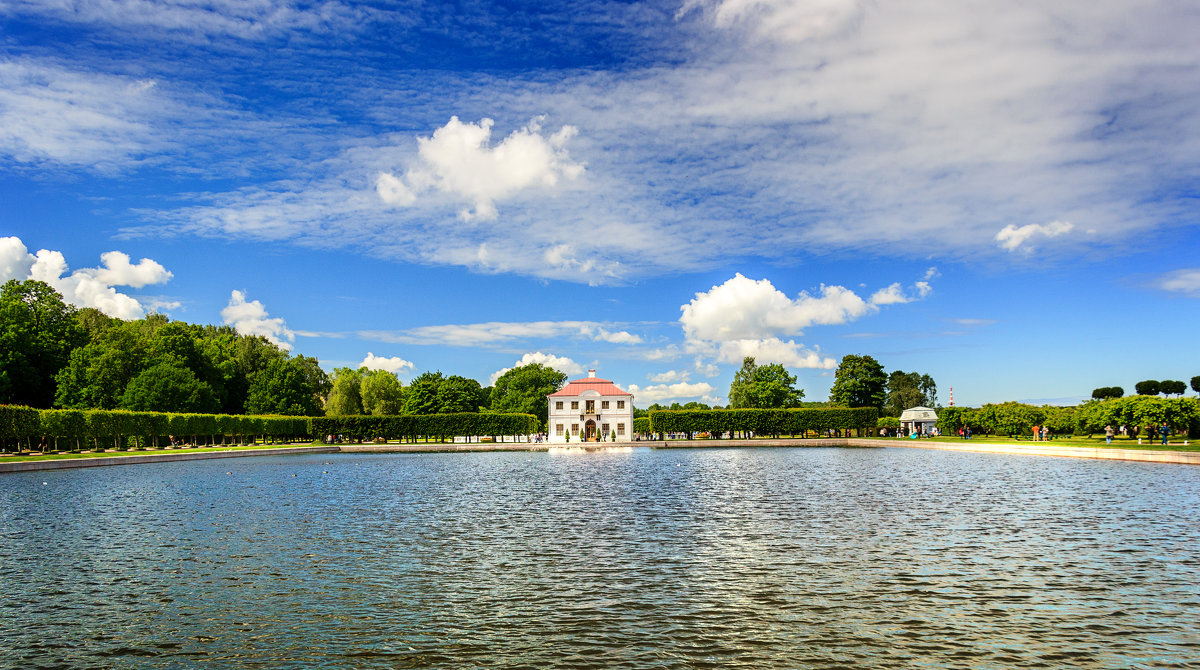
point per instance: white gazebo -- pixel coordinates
(917, 420)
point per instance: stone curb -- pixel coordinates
(100, 461)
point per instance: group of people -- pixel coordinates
(1164, 432)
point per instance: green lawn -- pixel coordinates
(53, 456)
(1096, 441)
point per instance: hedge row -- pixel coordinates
(414, 426)
(107, 428)
(763, 421)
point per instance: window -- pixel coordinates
(558, 405)
(620, 404)
(574, 404)
(603, 404)
(604, 428)
(620, 429)
(574, 429)
(558, 428)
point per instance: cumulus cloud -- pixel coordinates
(1011, 237)
(560, 363)
(1185, 281)
(460, 160)
(392, 364)
(86, 287)
(251, 318)
(744, 317)
(665, 393)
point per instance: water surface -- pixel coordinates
(718, 558)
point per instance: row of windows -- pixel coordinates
(603, 404)
(604, 428)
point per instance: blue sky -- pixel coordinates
(1002, 195)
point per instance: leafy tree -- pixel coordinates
(37, 333)
(459, 394)
(1106, 392)
(1196, 384)
(168, 386)
(524, 389)
(910, 389)
(345, 396)
(762, 387)
(859, 382)
(1171, 387)
(422, 394)
(382, 393)
(97, 374)
(1147, 387)
(289, 386)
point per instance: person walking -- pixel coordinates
(1036, 432)
(1108, 434)
(1164, 430)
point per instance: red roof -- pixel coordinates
(601, 386)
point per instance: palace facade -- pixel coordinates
(588, 408)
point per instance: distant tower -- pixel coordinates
(952, 396)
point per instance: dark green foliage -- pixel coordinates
(859, 382)
(168, 386)
(1147, 387)
(1171, 387)
(18, 424)
(413, 426)
(524, 389)
(763, 387)
(37, 333)
(641, 425)
(1106, 392)
(910, 389)
(290, 386)
(763, 421)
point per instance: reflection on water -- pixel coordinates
(718, 558)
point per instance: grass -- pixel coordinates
(53, 456)
(1094, 442)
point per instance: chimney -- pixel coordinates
(591, 373)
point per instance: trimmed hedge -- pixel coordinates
(641, 425)
(764, 421)
(102, 429)
(414, 426)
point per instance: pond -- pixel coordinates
(718, 558)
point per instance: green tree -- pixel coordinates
(459, 394)
(97, 374)
(859, 382)
(910, 389)
(382, 393)
(345, 395)
(1147, 387)
(524, 389)
(1171, 387)
(38, 331)
(1196, 384)
(1106, 392)
(289, 386)
(168, 386)
(761, 387)
(422, 394)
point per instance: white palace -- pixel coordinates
(590, 407)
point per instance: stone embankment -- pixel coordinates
(1152, 456)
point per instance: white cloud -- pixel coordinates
(50, 113)
(1011, 237)
(668, 377)
(664, 393)
(784, 20)
(212, 18)
(86, 287)
(500, 333)
(773, 350)
(250, 318)
(459, 160)
(560, 363)
(392, 364)
(743, 308)
(1185, 281)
